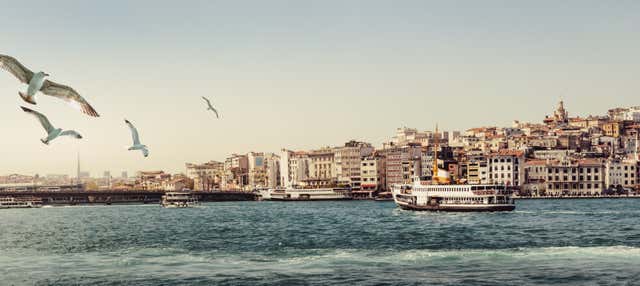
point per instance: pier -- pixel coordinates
(122, 197)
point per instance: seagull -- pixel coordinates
(52, 132)
(37, 82)
(136, 140)
(211, 107)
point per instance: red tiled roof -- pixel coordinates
(507, 152)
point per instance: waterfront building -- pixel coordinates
(402, 163)
(207, 176)
(152, 180)
(175, 184)
(272, 170)
(294, 168)
(477, 172)
(372, 176)
(620, 173)
(505, 167)
(347, 162)
(575, 177)
(236, 172)
(322, 168)
(535, 177)
(257, 170)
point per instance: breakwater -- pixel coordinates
(123, 197)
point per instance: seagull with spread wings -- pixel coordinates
(52, 132)
(136, 140)
(211, 107)
(37, 82)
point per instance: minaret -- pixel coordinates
(635, 152)
(78, 174)
(435, 156)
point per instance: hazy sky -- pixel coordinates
(301, 74)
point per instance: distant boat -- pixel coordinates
(301, 194)
(13, 203)
(179, 200)
(384, 197)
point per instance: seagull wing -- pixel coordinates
(145, 152)
(16, 68)
(43, 119)
(207, 100)
(216, 112)
(134, 133)
(68, 94)
(211, 106)
(72, 133)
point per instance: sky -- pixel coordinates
(300, 74)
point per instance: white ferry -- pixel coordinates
(441, 195)
(10, 202)
(301, 194)
(455, 198)
(178, 200)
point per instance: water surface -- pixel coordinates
(562, 242)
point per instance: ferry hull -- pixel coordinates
(308, 200)
(458, 208)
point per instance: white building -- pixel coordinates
(505, 167)
(294, 168)
(620, 173)
(372, 174)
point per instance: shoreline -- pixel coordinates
(576, 197)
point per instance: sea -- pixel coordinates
(543, 242)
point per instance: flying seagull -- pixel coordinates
(37, 82)
(136, 140)
(211, 107)
(52, 132)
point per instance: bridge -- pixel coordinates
(107, 197)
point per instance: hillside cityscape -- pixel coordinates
(561, 155)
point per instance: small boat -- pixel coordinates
(20, 202)
(178, 200)
(384, 197)
(303, 194)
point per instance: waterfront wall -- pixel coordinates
(122, 197)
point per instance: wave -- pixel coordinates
(297, 257)
(569, 212)
(165, 264)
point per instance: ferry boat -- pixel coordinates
(178, 200)
(441, 195)
(11, 202)
(301, 194)
(455, 198)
